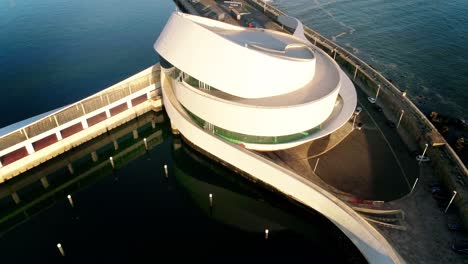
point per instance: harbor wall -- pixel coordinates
(414, 128)
(36, 142)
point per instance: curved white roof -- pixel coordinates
(247, 63)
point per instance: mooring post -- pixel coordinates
(111, 159)
(211, 200)
(70, 200)
(60, 248)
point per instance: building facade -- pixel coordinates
(262, 89)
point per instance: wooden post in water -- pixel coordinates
(60, 248)
(70, 200)
(112, 162)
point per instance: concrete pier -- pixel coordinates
(41, 140)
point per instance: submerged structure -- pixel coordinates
(262, 89)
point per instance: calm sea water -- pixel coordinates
(137, 215)
(54, 52)
(421, 45)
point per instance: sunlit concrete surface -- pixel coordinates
(258, 88)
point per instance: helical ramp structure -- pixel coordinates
(229, 89)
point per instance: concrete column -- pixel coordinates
(44, 182)
(135, 134)
(148, 95)
(30, 148)
(58, 135)
(94, 156)
(108, 115)
(129, 104)
(1, 165)
(15, 197)
(84, 123)
(70, 168)
(116, 145)
(153, 124)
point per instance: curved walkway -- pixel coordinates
(366, 238)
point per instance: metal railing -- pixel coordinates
(415, 122)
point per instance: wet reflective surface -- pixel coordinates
(134, 212)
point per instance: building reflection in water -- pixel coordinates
(114, 207)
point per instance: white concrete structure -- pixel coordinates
(263, 89)
(226, 88)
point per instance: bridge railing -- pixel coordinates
(81, 108)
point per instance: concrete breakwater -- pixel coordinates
(414, 128)
(31, 144)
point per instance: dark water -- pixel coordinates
(55, 52)
(135, 213)
(421, 45)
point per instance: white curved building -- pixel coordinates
(264, 89)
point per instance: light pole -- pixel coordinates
(355, 72)
(373, 100)
(422, 157)
(401, 116)
(451, 200)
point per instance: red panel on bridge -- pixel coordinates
(96, 119)
(14, 156)
(47, 141)
(71, 130)
(118, 109)
(140, 99)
